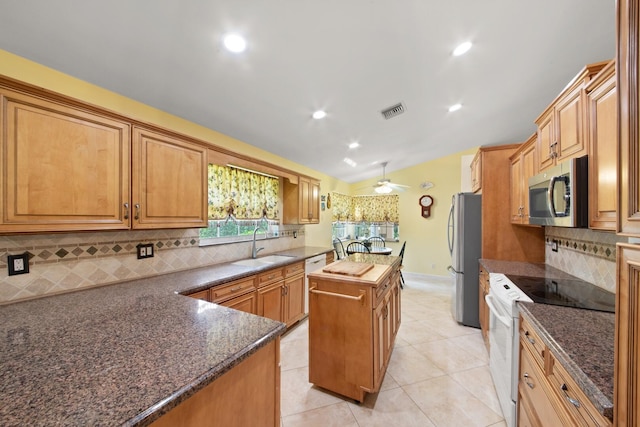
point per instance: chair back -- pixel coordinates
(401, 254)
(357, 247)
(339, 248)
(377, 241)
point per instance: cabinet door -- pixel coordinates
(628, 88)
(294, 299)
(169, 181)
(246, 303)
(476, 172)
(382, 330)
(309, 197)
(270, 300)
(63, 168)
(570, 125)
(516, 190)
(546, 140)
(603, 161)
(627, 376)
(528, 170)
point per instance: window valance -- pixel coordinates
(382, 208)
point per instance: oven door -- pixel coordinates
(502, 329)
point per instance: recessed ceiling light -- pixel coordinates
(455, 107)
(354, 145)
(462, 49)
(320, 114)
(350, 162)
(235, 43)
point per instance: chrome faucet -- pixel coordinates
(254, 251)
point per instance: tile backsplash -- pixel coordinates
(65, 262)
(584, 253)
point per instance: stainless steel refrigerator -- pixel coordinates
(464, 233)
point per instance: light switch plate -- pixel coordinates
(145, 250)
(18, 264)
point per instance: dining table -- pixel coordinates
(380, 250)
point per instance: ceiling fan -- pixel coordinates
(385, 186)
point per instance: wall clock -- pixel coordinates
(425, 205)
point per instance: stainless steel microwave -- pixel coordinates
(559, 195)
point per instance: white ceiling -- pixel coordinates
(352, 58)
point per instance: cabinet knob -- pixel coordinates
(527, 381)
(571, 400)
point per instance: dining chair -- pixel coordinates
(401, 255)
(376, 241)
(339, 248)
(357, 247)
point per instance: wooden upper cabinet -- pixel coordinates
(523, 167)
(561, 127)
(170, 181)
(628, 89)
(301, 202)
(602, 107)
(64, 168)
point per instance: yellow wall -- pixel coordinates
(427, 249)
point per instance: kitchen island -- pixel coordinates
(129, 353)
(354, 316)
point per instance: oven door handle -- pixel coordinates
(503, 319)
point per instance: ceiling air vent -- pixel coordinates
(393, 111)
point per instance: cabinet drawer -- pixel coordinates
(383, 289)
(573, 399)
(232, 289)
(293, 269)
(270, 276)
(532, 341)
(533, 388)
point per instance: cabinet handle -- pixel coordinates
(385, 312)
(527, 382)
(126, 211)
(571, 400)
(137, 211)
(333, 294)
(236, 289)
(531, 340)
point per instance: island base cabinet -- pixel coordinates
(247, 395)
(340, 325)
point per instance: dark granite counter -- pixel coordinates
(124, 354)
(581, 340)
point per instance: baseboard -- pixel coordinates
(431, 278)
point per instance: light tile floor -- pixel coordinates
(438, 374)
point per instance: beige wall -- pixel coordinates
(427, 249)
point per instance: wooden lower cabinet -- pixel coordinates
(353, 322)
(281, 293)
(247, 395)
(547, 394)
(247, 303)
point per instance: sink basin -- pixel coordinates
(259, 262)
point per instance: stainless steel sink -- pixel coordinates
(259, 262)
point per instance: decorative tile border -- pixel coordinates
(599, 249)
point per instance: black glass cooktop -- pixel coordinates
(566, 292)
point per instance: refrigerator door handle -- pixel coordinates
(450, 227)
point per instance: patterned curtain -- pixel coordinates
(243, 194)
(383, 208)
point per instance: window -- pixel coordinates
(240, 202)
(361, 217)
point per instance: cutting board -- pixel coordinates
(348, 268)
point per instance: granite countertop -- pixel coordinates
(373, 258)
(581, 340)
(124, 354)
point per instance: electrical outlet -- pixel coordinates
(145, 250)
(18, 264)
